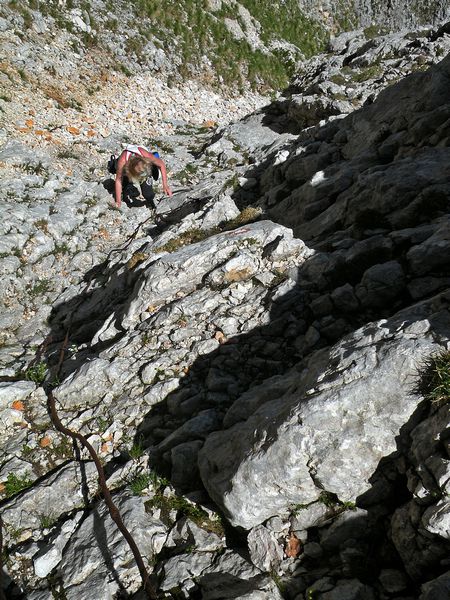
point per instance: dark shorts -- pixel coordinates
(130, 192)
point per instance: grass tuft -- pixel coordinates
(434, 382)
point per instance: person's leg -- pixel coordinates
(148, 193)
(129, 191)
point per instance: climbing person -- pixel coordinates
(136, 164)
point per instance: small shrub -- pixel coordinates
(125, 70)
(329, 499)
(27, 18)
(64, 449)
(338, 79)
(374, 31)
(42, 224)
(247, 215)
(36, 169)
(36, 373)
(90, 202)
(434, 382)
(15, 484)
(15, 532)
(26, 450)
(295, 509)
(279, 277)
(46, 521)
(102, 424)
(188, 237)
(137, 258)
(371, 72)
(112, 24)
(41, 288)
(61, 248)
(68, 154)
(188, 509)
(23, 76)
(136, 450)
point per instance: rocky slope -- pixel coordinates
(69, 48)
(348, 14)
(247, 360)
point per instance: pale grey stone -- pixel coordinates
(155, 286)
(9, 265)
(344, 298)
(59, 493)
(322, 585)
(255, 467)
(239, 268)
(12, 242)
(429, 254)
(50, 555)
(17, 390)
(83, 559)
(239, 579)
(436, 519)
(204, 540)
(380, 172)
(15, 153)
(266, 552)
(223, 209)
(86, 386)
(181, 568)
(310, 516)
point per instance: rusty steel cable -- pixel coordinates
(113, 510)
(76, 436)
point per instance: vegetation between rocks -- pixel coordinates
(192, 236)
(435, 378)
(16, 483)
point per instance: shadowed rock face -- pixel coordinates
(252, 348)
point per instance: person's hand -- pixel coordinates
(167, 190)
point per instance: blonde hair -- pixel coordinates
(130, 169)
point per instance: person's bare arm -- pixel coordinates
(118, 184)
